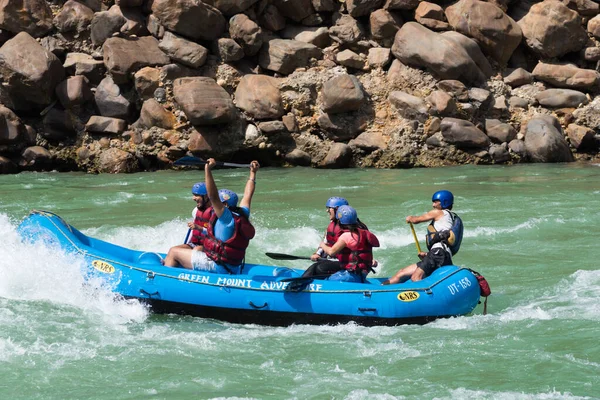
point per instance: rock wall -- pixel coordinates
(130, 85)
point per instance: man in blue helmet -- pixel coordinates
(229, 231)
(443, 238)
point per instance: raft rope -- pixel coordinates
(151, 274)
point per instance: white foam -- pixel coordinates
(35, 272)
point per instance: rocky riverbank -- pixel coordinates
(130, 85)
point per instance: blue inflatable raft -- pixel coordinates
(259, 294)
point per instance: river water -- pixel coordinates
(532, 230)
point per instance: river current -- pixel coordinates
(532, 230)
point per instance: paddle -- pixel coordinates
(280, 256)
(412, 228)
(189, 160)
(187, 236)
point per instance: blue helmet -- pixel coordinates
(228, 197)
(199, 189)
(445, 197)
(335, 202)
(346, 215)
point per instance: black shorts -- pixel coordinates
(436, 258)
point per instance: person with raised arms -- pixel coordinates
(443, 238)
(353, 250)
(228, 233)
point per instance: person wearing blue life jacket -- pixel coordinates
(333, 232)
(353, 250)
(228, 233)
(443, 238)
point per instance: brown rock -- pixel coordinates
(444, 57)
(259, 96)
(552, 30)
(545, 142)
(284, 56)
(183, 51)
(203, 101)
(298, 157)
(581, 137)
(246, 33)
(123, 57)
(36, 157)
(496, 33)
(567, 76)
(12, 130)
(29, 73)
(342, 94)
(154, 114)
(146, 81)
(115, 161)
(190, 18)
(463, 134)
(73, 16)
(74, 91)
(339, 156)
(105, 125)
(31, 16)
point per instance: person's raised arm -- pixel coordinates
(250, 185)
(211, 187)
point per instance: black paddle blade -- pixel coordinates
(189, 160)
(281, 256)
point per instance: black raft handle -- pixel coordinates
(257, 307)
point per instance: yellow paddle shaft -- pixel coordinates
(412, 228)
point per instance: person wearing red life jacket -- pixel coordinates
(229, 231)
(200, 217)
(353, 250)
(334, 230)
(444, 236)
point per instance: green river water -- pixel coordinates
(532, 230)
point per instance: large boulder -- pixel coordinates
(561, 98)
(442, 56)
(567, 76)
(259, 96)
(342, 93)
(73, 16)
(246, 33)
(190, 18)
(183, 51)
(545, 140)
(29, 73)
(284, 56)
(496, 33)
(203, 101)
(230, 7)
(12, 129)
(551, 29)
(123, 57)
(110, 101)
(463, 134)
(31, 16)
(115, 161)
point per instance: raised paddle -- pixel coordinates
(412, 228)
(280, 256)
(190, 160)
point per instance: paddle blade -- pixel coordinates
(280, 256)
(189, 160)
